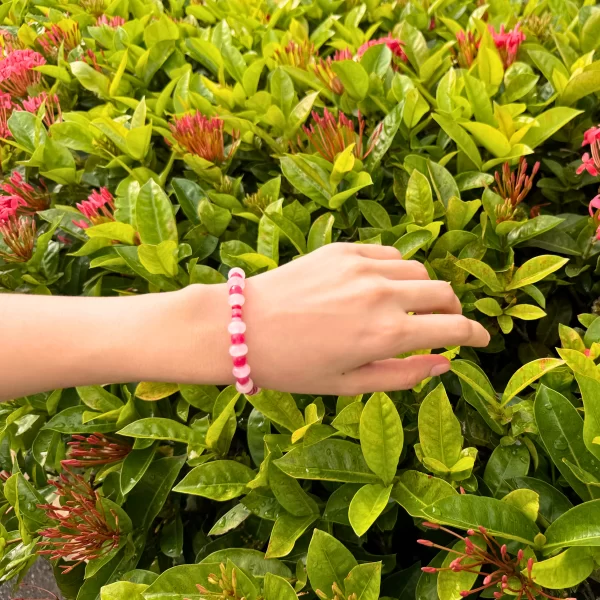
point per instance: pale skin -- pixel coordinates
(330, 322)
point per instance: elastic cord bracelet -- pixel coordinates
(237, 328)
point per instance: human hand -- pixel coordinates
(331, 322)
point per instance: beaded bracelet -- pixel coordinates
(237, 328)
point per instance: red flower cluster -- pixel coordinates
(17, 73)
(98, 208)
(327, 75)
(591, 164)
(82, 532)
(6, 109)
(31, 199)
(483, 551)
(513, 187)
(18, 233)
(595, 214)
(203, 136)
(52, 111)
(113, 22)
(53, 37)
(94, 450)
(508, 43)
(467, 48)
(392, 43)
(330, 136)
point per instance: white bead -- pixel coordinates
(236, 326)
(236, 281)
(237, 272)
(236, 300)
(246, 388)
(238, 350)
(241, 372)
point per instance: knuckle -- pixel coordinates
(463, 328)
(445, 292)
(418, 268)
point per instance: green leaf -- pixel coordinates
(549, 123)
(565, 570)
(286, 531)
(466, 511)
(289, 229)
(278, 407)
(320, 233)
(526, 312)
(439, 430)
(527, 501)
(590, 394)
(221, 480)
(353, 77)
(122, 232)
(481, 271)
(459, 213)
(155, 221)
(215, 218)
(366, 506)
(493, 140)
(451, 583)
(582, 84)
(155, 428)
(505, 463)
(123, 590)
(381, 436)
(308, 177)
(348, 421)
(299, 114)
(489, 307)
(375, 214)
(415, 491)
(561, 431)
(364, 581)
(160, 259)
(390, 125)
(277, 588)
(527, 374)
(289, 493)
(443, 183)
(136, 463)
(70, 420)
(536, 269)
(329, 460)
(328, 562)
(461, 138)
(474, 376)
(579, 526)
(419, 200)
(91, 79)
(97, 398)
(410, 243)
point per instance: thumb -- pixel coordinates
(394, 373)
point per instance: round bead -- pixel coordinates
(239, 361)
(236, 312)
(235, 289)
(238, 350)
(236, 300)
(238, 338)
(243, 380)
(237, 272)
(253, 391)
(241, 372)
(236, 281)
(245, 388)
(236, 327)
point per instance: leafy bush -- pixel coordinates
(146, 147)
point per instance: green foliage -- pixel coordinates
(278, 495)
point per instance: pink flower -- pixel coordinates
(467, 48)
(51, 106)
(587, 164)
(94, 450)
(17, 74)
(18, 233)
(392, 43)
(32, 199)
(96, 209)
(508, 43)
(53, 37)
(203, 136)
(327, 75)
(591, 135)
(6, 109)
(330, 136)
(9, 206)
(595, 204)
(113, 22)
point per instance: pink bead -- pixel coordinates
(237, 272)
(239, 361)
(236, 327)
(253, 391)
(238, 338)
(243, 380)
(236, 312)
(237, 281)
(241, 372)
(238, 350)
(245, 388)
(236, 300)
(235, 289)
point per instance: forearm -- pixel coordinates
(56, 342)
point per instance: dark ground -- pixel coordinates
(39, 575)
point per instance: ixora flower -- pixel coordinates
(52, 111)
(508, 43)
(513, 187)
(94, 7)
(31, 199)
(594, 209)
(330, 136)
(18, 234)
(591, 164)
(98, 208)
(392, 43)
(113, 22)
(468, 45)
(6, 109)
(296, 55)
(17, 73)
(204, 137)
(95, 450)
(510, 575)
(327, 75)
(52, 38)
(82, 531)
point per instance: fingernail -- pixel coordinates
(439, 369)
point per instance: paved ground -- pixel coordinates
(40, 575)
